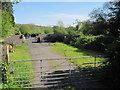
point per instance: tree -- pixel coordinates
(7, 19)
(59, 30)
(85, 27)
(112, 19)
(107, 18)
(100, 21)
(113, 49)
(25, 29)
(6, 11)
(60, 24)
(71, 30)
(0, 23)
(48, 30)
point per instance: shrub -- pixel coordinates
(84, 40)
(100, 43)
(7, 81)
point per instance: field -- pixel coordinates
(69, 51)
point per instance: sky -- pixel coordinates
(49, 13)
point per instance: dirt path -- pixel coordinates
(42, 51)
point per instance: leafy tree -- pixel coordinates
(7, 19)
(106, 19)
(17, 29)
(70, 34)
(59, 30)
(111, 18)
(113, 49)
(48, 30)
(85, 27)
(71, 30)
(100, 22)
(30, 29)
(0, 23)
(114, 21)
(25, 29)
(60, 24)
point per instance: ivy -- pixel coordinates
(7, 81)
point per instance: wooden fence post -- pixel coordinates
(5, 58)
(5, 54)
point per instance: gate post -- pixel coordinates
(41, 70)
(95, 62)
(70, 71)
(5, 54)
(5, 58)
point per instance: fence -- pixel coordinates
(44, 75)
(5, 53)
(4, 61)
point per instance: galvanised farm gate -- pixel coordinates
(53, 76)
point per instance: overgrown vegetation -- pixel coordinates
(7, 81)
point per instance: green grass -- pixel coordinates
(69, 51)
(21, 53)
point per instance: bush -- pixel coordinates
(7, 81)
(54, 38)
(84, 40)
(100, 43)
(113, 52)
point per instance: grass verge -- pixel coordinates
(69, 51)
(21, 53)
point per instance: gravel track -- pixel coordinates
(42, 51)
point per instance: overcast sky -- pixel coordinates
(49, 13)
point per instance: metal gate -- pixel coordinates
(56, 73)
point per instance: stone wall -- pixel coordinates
(15, 39)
